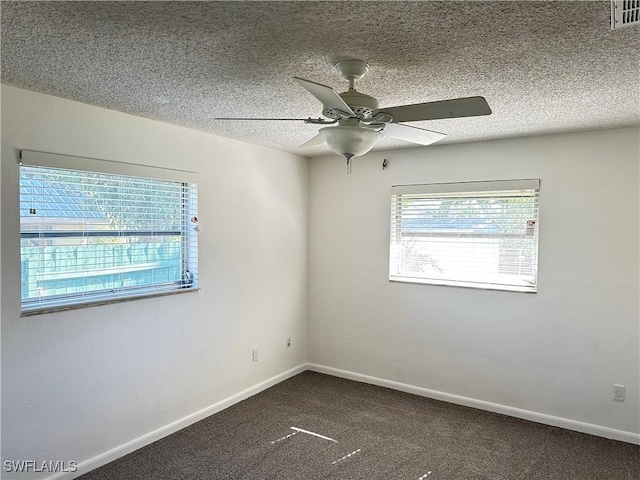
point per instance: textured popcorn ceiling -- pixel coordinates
(544, 67)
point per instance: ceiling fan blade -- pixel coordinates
(317, 140)
(457, 107)
(327, 95)
(267, 119)
(412, 134)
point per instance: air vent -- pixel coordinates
(625, 13)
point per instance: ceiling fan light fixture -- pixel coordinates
(353, 141)
(350, 141)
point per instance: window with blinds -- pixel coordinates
(93, 237)
(476, 234)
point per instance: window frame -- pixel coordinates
(458, 191)
(187, 232)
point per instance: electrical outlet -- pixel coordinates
(619, 392)
(254, 354)
(288, 342)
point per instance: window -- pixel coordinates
(476, 234)
(90, 236)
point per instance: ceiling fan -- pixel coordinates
(360, 121)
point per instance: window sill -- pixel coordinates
(476, 286)
(62, 308)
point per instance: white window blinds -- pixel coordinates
(476, 234)
(90, 237)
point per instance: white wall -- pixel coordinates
(557, 352)
(76, 384)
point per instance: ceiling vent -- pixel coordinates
(625, 13)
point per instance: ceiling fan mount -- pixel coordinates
(361, 122)
(351, 69)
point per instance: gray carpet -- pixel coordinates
(379, 434)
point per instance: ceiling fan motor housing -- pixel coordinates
(363, 105)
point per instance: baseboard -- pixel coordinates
(566, 423)
(136, 443)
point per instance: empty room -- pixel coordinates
(320, 239)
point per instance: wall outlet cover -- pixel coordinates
(619, 393)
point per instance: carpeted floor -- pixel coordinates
(371, 433)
